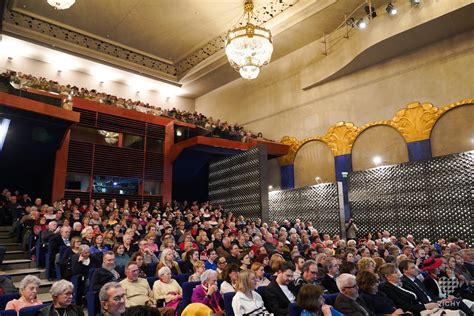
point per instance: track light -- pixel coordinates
(370, 11)
(350, 22)
(415, 3)
(391, 10)
(361, 24)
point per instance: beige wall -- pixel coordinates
(314, 159)
(275, 104)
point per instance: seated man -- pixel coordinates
(348, 300)
(112, 299)
(106, 273)
(308, 275)
(331, 267)
(281, 291)
(137, 290)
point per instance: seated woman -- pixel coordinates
(61, 293)
(167, 260)
(377, 302)
(366, 264)
(231, 272)
(198, 271)
(109, 239)
(98, 245)
(121, 259)
(150, 238)
(83, 261)
(66, 260)
(245, 261)
(207, 292)
(310, 299)
(167, 289)
(138, 258)
(259, 270)
(190, 258)
(28, 290)
(246, 301)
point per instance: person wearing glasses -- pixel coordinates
(348, 301)
(221, 263)
(112, 299)
(308, 275)
(137, 290)
(61, 292)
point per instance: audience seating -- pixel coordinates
(89, 277)
(181, 278)
(330, 299)
(150, 269)
(5, 298)
(188, 288)
(228, 303)
(261, 290)
(93, 304)
(9, 312)
(294, 309)
(32, 310)
(151, 281)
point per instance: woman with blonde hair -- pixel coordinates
(259, 270)
(167, 260)
(246, 300)
(198, 271)
(366, 264)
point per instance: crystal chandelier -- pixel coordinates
(61, 4)
(249, 47)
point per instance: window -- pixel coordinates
(133, 141)
(92, 135)
(155, 145)
(115, 185)
(77, 182)
(152, 187)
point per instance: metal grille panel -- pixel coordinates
(238, 183)
(317, 203)
(432, 199)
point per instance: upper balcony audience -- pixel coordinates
(380, 275)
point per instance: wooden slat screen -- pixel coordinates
(120, 124)
(119, 197)
(156, 131)
(154, 166)
(80, 157)
(120, 162)
(71, 195)
(87, 118)
(152, 199)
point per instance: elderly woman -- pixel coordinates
(167, 260)
(28, 290)
(230, 278)
(198, 271)
(83, 261)
(246, 301)
(62, 292)
(207, 292)
(167, 289)
(87, 235)
(259, 270)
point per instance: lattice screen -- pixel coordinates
(317, 203)
(432, 199)
(239, 183)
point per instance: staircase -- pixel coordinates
(17, 265)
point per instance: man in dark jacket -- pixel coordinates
(105, 274)
(348, 300)
(62, 292)
(281, 292)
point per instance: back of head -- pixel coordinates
(308, 297)
(141, 310)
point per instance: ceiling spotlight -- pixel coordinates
(361, 24)
(350, 22)
(370, 11)
(377, 160)
(59, 71)
(415, 2)
(391, 9)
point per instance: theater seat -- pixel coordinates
(228, 303)
(150, 269)
(294, 309)
(181, 278)
(9, 312)
(5, 298)
(330, 299)
(151, 281)
(188, 288)
(32, 310)
(93, 306)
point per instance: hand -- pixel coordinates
(431, 305)
(326, 310)
(81, 258)
(211, 289)
(398, 312)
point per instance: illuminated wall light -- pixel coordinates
(270, 187)
(377, 160)
(415, 3)
(361, 24)
(179, 132)
(391, 10)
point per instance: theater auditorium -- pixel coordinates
(236, 157)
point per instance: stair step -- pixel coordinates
(18, 274)
(7, 239)
(10, 245)
(16, 264)
(5, 228)
(44, 287)
(45, 298)
(16, 254)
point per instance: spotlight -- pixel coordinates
(377, 160)
(361, 24)
(415, 3)
(350, 22)
(370, 11)
(391, 10)
(59, 71)
(270, 187)
(179, 132)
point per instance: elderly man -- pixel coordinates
(61, 292)
(106, 273)
(348, 300)
(308, 275)
(112, 299)
(329, 280)
(148, 255)
(50, 232)
(55, 243)
(137, 290)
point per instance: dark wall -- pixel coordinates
(28, 156)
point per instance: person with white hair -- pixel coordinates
(29, 286)
(61, 292)
(112, 299)
(167, 289)
(348, 301)
(207, 292)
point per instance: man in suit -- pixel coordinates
(55, 244)
(348, 300)
(404, 299)
(106, 273)
(281, 292)
(331, 268)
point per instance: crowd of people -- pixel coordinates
(214, 127)
(267, 265)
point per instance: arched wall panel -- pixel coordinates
(454, 132)
(313, 160)
(382, 141)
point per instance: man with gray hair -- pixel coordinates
(62, 292)
(348, 301)
(309, 274)
(112, 299)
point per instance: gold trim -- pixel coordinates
(414, 123)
